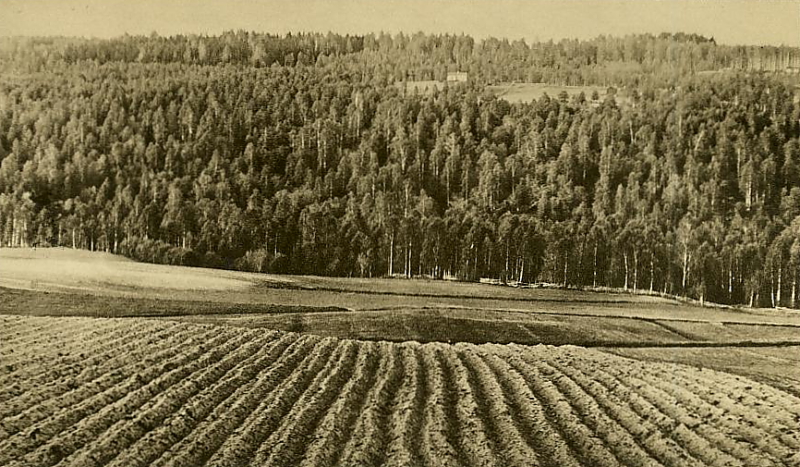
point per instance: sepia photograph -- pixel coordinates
(402, 233)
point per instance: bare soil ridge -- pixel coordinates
(224, 396)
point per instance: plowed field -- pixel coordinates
(136, 392)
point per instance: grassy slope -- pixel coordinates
(104, 275)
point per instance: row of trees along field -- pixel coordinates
(306, 154)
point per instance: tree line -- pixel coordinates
(630, 60)
(690, 185)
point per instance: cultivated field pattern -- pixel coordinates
(137, 392)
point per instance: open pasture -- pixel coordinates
(78, 282)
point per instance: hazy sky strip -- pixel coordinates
(761, 22)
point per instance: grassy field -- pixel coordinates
(480, 326)
(93, 276)
(187, 366)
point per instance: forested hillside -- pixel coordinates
(302, 154)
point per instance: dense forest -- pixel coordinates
(309, 154)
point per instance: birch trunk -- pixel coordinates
(410, 257)
(391, 255)
(685, 275)
(505, 277)
(625, 256)
(730, 281)
(772, 291)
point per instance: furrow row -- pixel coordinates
(76, 359)
(764, 416)
(287, 443)
(148, 417)
(589, 449)
(45, 400)
(439, 442)
(19, 333)
(653, 438)
(184, 420)
(290, 355)
(66, 430)
(692, 413)
(180, 395)
(551, 447)
(325, 444)
(406, 414)
(695, 441)
(599, 419)
(471, 417)
(241, 445)
(367, 443)
(70, 333)
(510, 444)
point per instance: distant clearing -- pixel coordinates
(527, 92)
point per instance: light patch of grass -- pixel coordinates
(65, 269)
